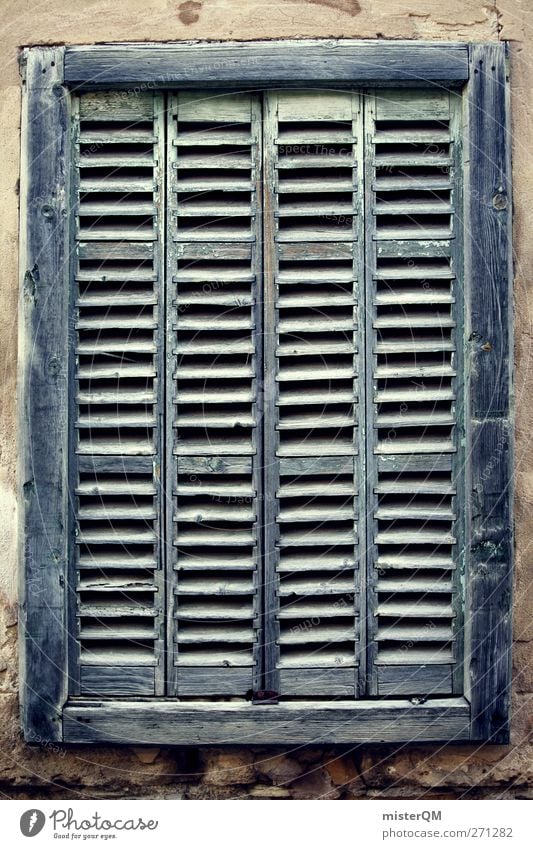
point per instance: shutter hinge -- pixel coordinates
(264, 697)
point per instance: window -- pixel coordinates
(266, 394)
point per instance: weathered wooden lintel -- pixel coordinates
(267, 63)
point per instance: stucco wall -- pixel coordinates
(437, 772)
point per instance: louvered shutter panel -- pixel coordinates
(118, 156)
(214, 412)
(414, 405)
(274, 575)
(313, 346)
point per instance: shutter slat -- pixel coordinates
(116, 510)
(304, 586)
(225, 658)
(416, 560)
(407, 182)
(214, 445)
(430, 655)
(311, 447)
(207, 511)
(193, 160)
(417, 609)
(207, 137)
(313, 538)
(214, 344)
(414, 291)
(222, 632)
(315, 324)
(215, 419)
(188, 538)
(111, 559)
(204, 610)
(241, 490)
(129, 582)
(111, 655)
(112, 208)
(414, 584)
(323, 607)
(200, 561)
(317, 636)
(217, 372)
(311, 512)
(241, 395)
(318, 658)
(126, 135)
(411, 135)
(234, 299)
(316, 136)
(117, 420)
(294, 561)
(411, 633)
(308, 420)
(209, 586)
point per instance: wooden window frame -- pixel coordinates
(50, 75)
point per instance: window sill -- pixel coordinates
(170, 723)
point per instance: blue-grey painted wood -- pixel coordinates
(488, 343)
(43, 398)
(214, 389)
(199, 723)
(488, 358)
(117, 569)
(314, 320)
(269, 63)
(414, 413)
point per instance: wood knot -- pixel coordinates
(499, 201)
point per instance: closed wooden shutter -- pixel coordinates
(415, 430)
(118, 629)
(292, 361)
(214, 409)
(313, 349)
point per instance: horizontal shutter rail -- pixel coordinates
(414, 395)
(214, 324)
(118, 156)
